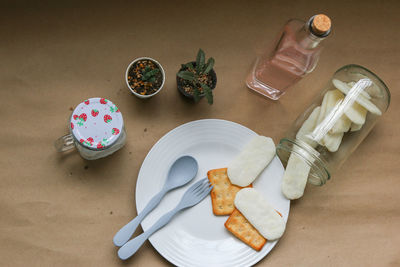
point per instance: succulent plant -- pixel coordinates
(148, 74)
(196, 75)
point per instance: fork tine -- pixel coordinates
(206, 192)
(202, 182)
(199, 183)
(194, 187)
(205, 189)
(196, 193)
(201, 187)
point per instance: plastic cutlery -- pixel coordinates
(182, 171)
(196, 193)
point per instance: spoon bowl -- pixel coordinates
(182, 171)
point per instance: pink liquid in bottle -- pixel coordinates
(296, 54)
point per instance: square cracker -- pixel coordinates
(238, 225)
(223, 193)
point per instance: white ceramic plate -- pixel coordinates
(196, 237)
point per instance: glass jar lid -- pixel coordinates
(96, 123)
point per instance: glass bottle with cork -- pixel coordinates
(295, 54)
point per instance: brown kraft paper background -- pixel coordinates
(61, 210)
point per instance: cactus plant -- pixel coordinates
(198, 78)
(149, 74)
(145, 77)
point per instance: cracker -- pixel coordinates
(240, 227)
(223, 192)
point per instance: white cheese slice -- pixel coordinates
(296, 172)
(332, 141)
(324, 104)
(356, 113)
(251, 161)
(351, 84)
(295, 177)
(361, 99)
(342, 125)
(346, 87)
(355, 127)
(328, 102)
(308, 126)
(373, 90)
(260, 213)
(368, 105)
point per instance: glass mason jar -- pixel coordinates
(96, 129)
(333, 124)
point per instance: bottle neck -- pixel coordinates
(307, 38)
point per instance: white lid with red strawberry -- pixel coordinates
(96, 123)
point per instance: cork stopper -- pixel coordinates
(321, 25)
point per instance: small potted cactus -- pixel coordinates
(145, 77)
(197, 79)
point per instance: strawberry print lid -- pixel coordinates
(96, 123)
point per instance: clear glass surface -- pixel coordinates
(325, 144)
(69, 141)
(92, 154)
(295, 54)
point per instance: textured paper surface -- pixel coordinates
(60, 210)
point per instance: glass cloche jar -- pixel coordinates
(331, 127)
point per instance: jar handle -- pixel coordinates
(64, 143)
